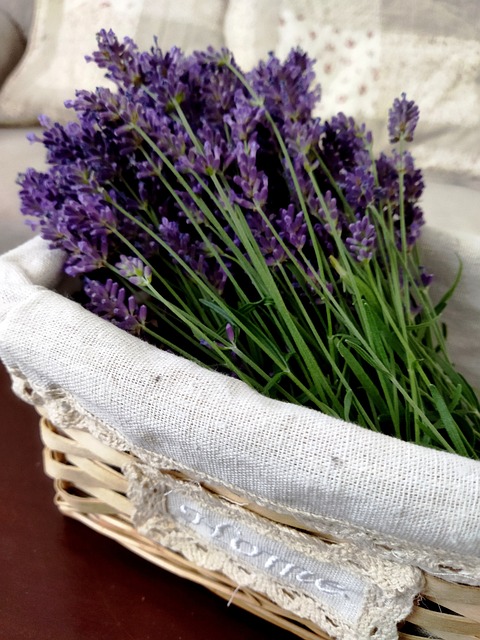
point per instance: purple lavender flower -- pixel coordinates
(387, 176)
(216, 139)
(293, 228)
(120, 59)
(217, 277)
(194, 253)
(109, 301)
(204, 162)
(230, 333)
(426, 278)
(268, 244)
(38, 196)
(252, 182)
(402, 119)
(133, 71)
(168, 77)
(97, 217)
(302, 137)
(344, 145)
(85, 255)
(362, 241)
(414, 223)
(412, 177)
(388, 193)
(286, 88)
(219, 91)
(179, 241)
(329, 213)
(169, 136)
(358, 186)
(243, 119)
(134, 270)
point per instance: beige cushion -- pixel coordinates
(12, 45)
(369, 51)
(64, 32)
(451, 206)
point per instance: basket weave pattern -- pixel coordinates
(91, 488)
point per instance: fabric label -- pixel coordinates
(334, 586)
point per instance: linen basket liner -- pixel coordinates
(405, 503)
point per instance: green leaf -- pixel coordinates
(273, 381)
(347, 404)
(442, 303)
(448, 422)
(248, 307)
(363, 378)
(378, 332)
(455, 398)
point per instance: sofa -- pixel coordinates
(366, 52)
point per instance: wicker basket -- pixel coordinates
(122, 420)
(91, 488)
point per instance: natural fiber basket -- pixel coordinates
(319, 526)
(90, 487)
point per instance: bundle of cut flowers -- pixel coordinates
(208, 211)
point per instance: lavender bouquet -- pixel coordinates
(207, 211)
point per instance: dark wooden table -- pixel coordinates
(61, 581)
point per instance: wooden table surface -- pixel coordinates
(59, 580)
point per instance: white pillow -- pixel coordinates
(64, 31)
(369, 51)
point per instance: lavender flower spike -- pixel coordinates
(229, 332)
(362, 242)
(109, 301)
(134, 270)
(402, 119)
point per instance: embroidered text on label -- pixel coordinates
(333, 585)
